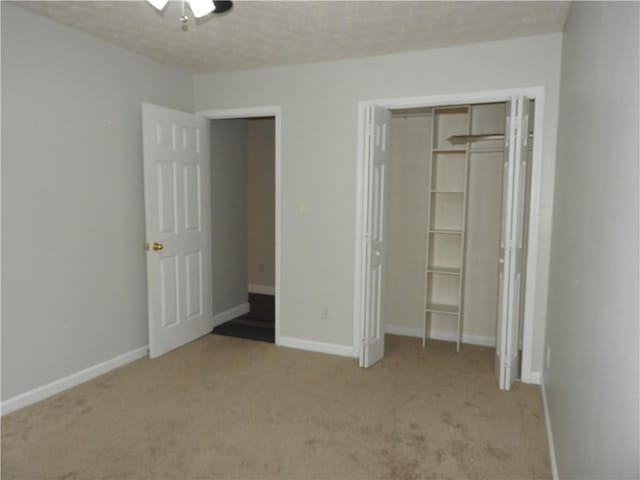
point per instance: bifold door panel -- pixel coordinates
(377, 162)
(512, 242)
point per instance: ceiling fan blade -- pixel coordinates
(222, 6)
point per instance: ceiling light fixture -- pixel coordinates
(200, 8)
(159, 4)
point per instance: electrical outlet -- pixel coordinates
(548, 360)
(324, 312)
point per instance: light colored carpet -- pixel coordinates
(222, 407)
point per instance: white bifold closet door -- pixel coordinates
(377, 166)
(512, 249)
(176, 184)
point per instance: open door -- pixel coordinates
(176, 178)
(512, 251)
(377, 161)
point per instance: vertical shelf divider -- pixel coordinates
(427, 316)
(463, 240)
(440, 154)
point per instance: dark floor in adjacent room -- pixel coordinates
(258, 324)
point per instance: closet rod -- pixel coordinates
(478, 136)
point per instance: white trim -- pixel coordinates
(536, 93)
(230, 314)
(249, 112)
(322, 347)
(547, 421)
(532, 377)
(57, 386)
(262, 289)
(360, 247)
(532, 241)
(253, 112)
(441, 335)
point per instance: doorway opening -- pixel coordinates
(196, 221)
(243, 227)
(445, 205)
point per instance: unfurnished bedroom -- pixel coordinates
(319, 240)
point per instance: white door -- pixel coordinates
(178, 236)
(377, 161)
(512, 243)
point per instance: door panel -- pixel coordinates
(193, 264)
(167, 196)
(176, 175)
(377, 159)
(169, 290)
(192, 194)
(512, 243)
(504, 259)
(520, 182)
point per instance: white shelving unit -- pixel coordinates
(446, 219)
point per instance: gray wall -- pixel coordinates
(229, 213)
(319, 105)
(592, 380)
(409, 157)
(73, 264)
(261, 201)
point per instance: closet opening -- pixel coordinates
(446, 227)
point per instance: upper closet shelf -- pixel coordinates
(446, 231)
(486, 150)
(444, 270)
(450, 150)
(476, 137)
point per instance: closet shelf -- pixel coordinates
(486, 150)
(444, 270)
(441, 308)
(450, 150)
(446, 231)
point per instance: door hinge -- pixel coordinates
(516, 129)
(369, 129)
(509, 244)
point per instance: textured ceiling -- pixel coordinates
(265, 34)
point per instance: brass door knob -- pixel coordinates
(155, 246)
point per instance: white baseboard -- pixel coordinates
(404, 331)
(322, 347)
(262, 289)
(439, 335)
(230, 314)
(547, 421)
(532, 377)
(57, 386)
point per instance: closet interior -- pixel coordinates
(446, 183)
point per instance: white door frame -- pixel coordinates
(255, 112)
(463, 98)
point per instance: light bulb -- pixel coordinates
(201, 8)
(159, 4)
